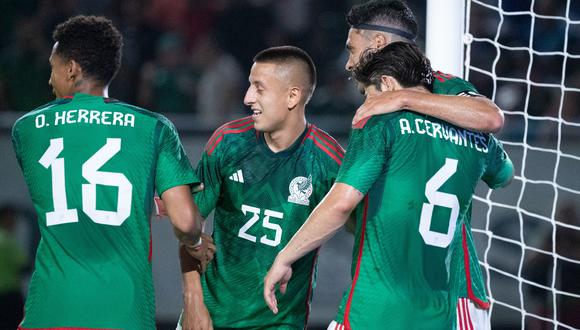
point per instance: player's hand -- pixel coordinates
(195, 314)
(385, 102)
(279, 273)
(204, 253)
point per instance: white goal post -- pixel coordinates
(525, 56)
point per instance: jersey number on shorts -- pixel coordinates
(255, 212)
(90, 171)
(437, 198)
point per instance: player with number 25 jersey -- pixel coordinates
(261, 199)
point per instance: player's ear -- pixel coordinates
(74, 70)
(294, 96)
(381, 40)
(388, 83)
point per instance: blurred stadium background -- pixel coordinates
(189, 59)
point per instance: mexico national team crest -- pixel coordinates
(300, 190)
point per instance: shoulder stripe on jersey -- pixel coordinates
(232, 124)
(358, 263)
(323, 148)
(442, 77)
(225, 132)
(336, 150)
(480, 303)
(361, 123)
(330, 141)
(229, 128)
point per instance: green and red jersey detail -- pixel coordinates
(260, 199)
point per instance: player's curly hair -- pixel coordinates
(384, 13)
(94, 43)
(401, 60)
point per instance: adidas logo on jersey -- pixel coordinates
(238, 177)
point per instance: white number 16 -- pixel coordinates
(90, 171)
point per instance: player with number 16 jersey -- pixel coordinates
(261, 199)
(92, 165)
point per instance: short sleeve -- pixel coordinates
(173, 167)
(208, 171)
(499, 170)
(366, 155)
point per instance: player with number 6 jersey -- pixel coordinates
(92, 165)
(416, 176)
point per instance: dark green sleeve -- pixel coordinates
(173, 167)
(450, 85)
(208, 171)
(365, 156)
(499, 171)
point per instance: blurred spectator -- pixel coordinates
(219, 88)
(24, 69)
(139, 40)
(539, 267)
(12, 265)
(167, 83)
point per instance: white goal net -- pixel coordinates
(525, 55)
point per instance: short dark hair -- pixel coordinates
(393, 14)
(284, 54)
(401, 60)
(94, 43)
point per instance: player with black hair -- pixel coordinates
(92, 165)
(263, 175)
(406, 263)
(375, 24)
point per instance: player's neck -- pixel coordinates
(282, 139)
(91, 88)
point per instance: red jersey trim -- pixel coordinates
(361, 123)
(442, 77)
(323, 148)
(228, 128)
(329, 141)
(470, 294)
(309, 294)
(346, 321)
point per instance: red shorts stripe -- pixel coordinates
(482, 304)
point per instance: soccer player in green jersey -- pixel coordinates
(415, 176)
(92, 165)
(263, 175)
(375, 24)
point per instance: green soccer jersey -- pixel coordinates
(92, 165)
(418, 174)
(468, 276)
(260, 200)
